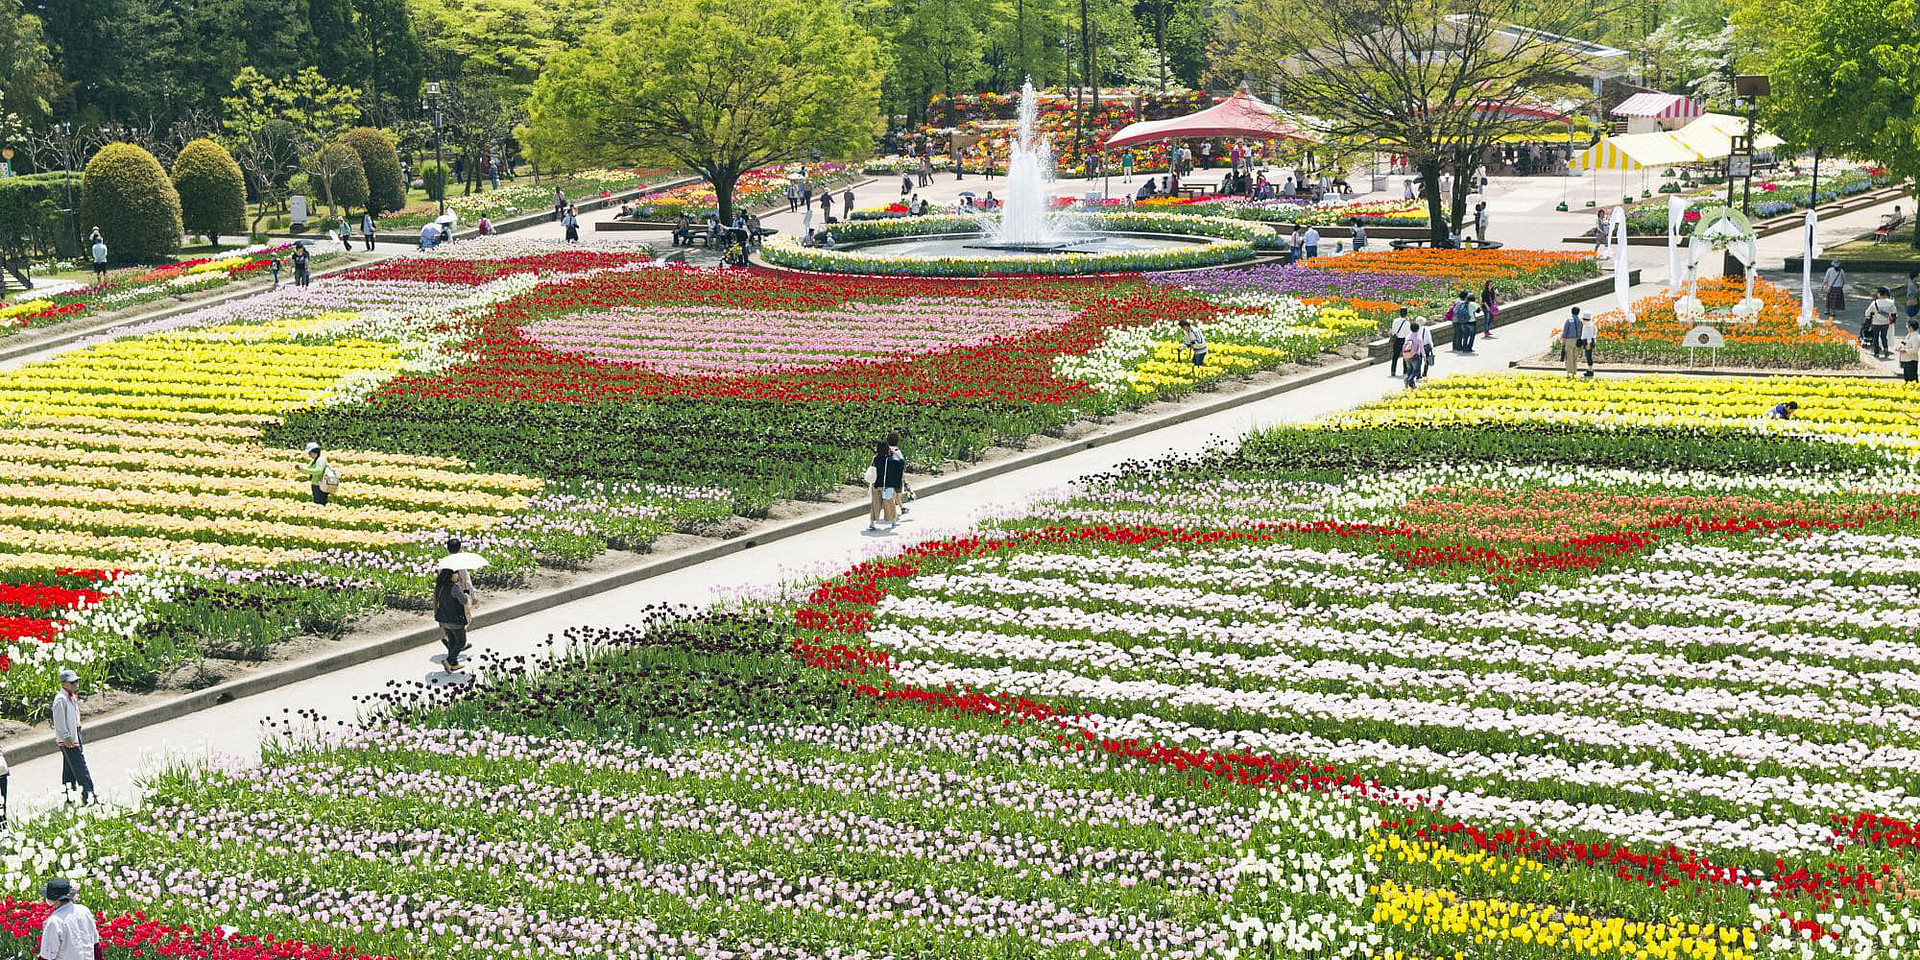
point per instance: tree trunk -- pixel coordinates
(723, 182)
(1429, 170)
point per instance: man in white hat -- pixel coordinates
(66, 733)
(69, 932)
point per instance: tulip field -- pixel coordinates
(546, 404)
(1509, 667)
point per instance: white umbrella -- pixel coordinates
(462, 561)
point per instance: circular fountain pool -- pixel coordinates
(953, 246)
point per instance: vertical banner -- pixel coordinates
(1621, 280)
(1676, 215)
(1808, 251)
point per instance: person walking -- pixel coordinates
(846, 204)
(99, 251)
(806, 192)
(793, 196)
(1397, 341)
(275, 267)
(66, 734)
(571, 221)
(1359, 235)
(1589, 336)
(1416, 353)
(1194, 341)
(1600, 226)
(1913, 296)
(302, 265)
(1907, 349)
(1570, 332)
(320, 474)
(1878, 325)
(559, 203)
(1836, 283)
(366, 228)
(906, 185)
(1312, 241)
(1126, 166)
(1296, 246)
(1480, 223)
(884, 477)
(452, 610)
(69, 932)
(826, 205)
(1489, 308)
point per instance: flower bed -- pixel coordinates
(1332, 212)
(546, 404)
(1232, 241)
(519, 197)
(1770, 199)
(1508, 667)
(1771, 338)
(168, 280)
(757, 187)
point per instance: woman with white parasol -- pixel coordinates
(453, 599)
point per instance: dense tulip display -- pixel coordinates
(1446, 676)
(169, 280)
(1765, 333)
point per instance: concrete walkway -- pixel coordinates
(233, 729)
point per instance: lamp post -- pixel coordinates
(66, 168)
(439, 169)
(1750, 87)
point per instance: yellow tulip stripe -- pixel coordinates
(152, 447)
(1170, 367)
(1503, 923)
(1842, 408)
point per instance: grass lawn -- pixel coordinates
(1893, 249)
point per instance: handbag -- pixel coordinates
(871, 475)
(329, 480)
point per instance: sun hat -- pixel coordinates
(312, 447)
(58, 889)
(68, 676)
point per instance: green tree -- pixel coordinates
(320, 110)
(213, 192)
(1849, 82)
(28, 83)
(341, 176)
(393, 57)
(129, 197)
(385, 191)
(340, 41)
(748, 84)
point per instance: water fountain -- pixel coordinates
(1025, 224)
(1025, 236)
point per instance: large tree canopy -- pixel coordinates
(1434, 80)
(1849, 82)
(715, 85)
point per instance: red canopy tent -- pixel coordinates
(1240, 116)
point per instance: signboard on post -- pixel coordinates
(1706, 338)
(1740, 165)
(297, 210)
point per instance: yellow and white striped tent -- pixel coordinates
(1637, 151)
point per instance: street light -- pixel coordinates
(1751, 87)
(439, 169)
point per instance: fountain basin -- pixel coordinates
(951, 246)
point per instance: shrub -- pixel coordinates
(32, 222)
(433, 176)
(213, 194)
(342, 178)
(130, 198)
(386, 191)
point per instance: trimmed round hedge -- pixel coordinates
(386, 191)
(213, 194)
(132, 200)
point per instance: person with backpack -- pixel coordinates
(1397, 341)
(321, 474)
(1462, 316)
(1193, 340)
(452, 610)
(1416, 351)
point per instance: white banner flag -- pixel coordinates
(1676, 215)
(1621, 280)
(1809, 249)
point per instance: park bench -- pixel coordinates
(1888, 224)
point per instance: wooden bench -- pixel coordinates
(606, 226)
